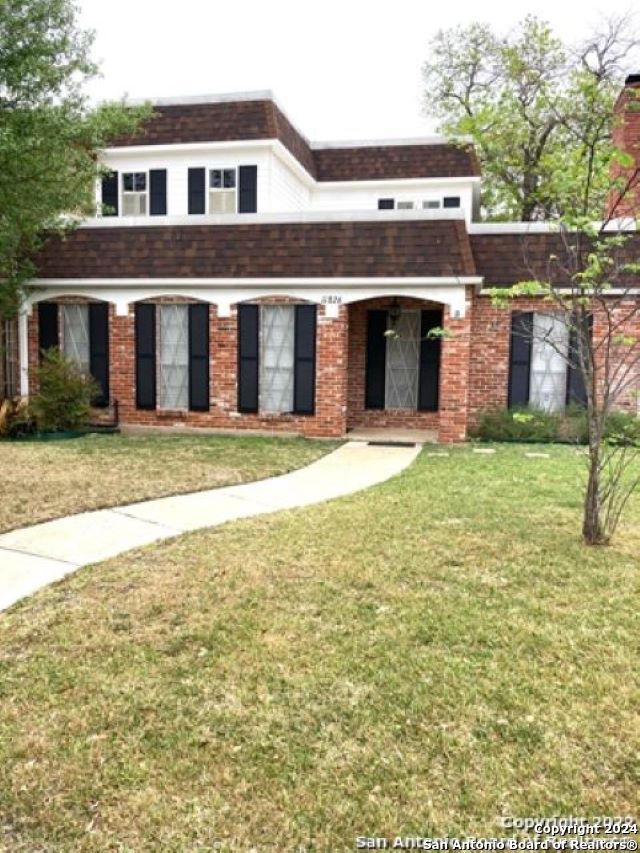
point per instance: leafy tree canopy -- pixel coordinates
(539, 112)
(49, 134)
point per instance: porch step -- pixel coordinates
(391, 443)
(399, 437)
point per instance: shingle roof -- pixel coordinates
(327, 249)
(506, 259)
(225, 121)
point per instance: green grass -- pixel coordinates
(422, 658)
(40, 481)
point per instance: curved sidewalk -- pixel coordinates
(33, 557)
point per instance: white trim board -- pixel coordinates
(292, 217)
(225, 292)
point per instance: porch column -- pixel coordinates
(331, 372)
(454, 375)
(23, 352)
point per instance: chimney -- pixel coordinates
(626, 136)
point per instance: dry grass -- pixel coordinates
(423, 658)
(39, 481)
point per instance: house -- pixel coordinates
(237, 276)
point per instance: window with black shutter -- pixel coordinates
(277, 358)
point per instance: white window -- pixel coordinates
(549, 348)
(134, 194)
(276, 357)
(402, 368)
(75, 334)
(173, 361)
(222, 191)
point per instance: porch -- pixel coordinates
(405, 383)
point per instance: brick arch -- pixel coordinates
(275, 299)
(171, 299)
(63, 296)
(357, 414)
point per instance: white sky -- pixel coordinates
(342, 69)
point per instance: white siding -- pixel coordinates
(282, 188)
(288, 191)
(356, 195)
(178, 163)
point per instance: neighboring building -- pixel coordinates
(238, 276)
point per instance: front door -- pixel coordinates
(403, 360)
(402, 370)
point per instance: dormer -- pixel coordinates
(220, 157)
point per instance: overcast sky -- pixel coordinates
(342, 69)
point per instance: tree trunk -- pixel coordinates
(592, 526)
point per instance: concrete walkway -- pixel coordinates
(33, 557)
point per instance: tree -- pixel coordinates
(49, 135)
(586, 282)
(528, 101)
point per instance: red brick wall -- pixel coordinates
(455, 375)
(626, 136)
(474, 372)
(329, 419)
(490, 340)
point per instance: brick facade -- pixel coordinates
(474, 370)
(328, 421)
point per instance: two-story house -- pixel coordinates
(238, 276)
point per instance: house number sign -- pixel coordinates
(331, 299)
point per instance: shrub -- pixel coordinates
(515, 425)
(623, 428)
(63, 401)
(16, 419)
(568, 427)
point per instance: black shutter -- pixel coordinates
(110, 194)
(248, 192)
(304, 370)
(520, 359)
(196, 190)
(145, 356)
(47, 326)
(157, 192)
(99, 349)
(199, 358)
(429, 380)
(376, 359)
(248, 326)
(386, 204)
(576, 391)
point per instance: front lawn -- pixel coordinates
(419, 659)
(44, 480)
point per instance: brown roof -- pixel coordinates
(395, 161)
(262, 119)
(406, 248)
(506, 259)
